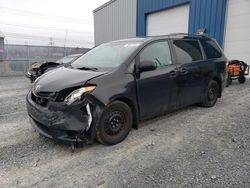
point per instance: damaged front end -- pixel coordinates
(70, 119)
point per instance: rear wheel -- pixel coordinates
(242, 79)
(211, 95)
(115, 123)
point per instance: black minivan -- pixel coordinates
(113, 87)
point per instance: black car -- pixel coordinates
(113, 87)
(37, 69)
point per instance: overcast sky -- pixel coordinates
(43, 22)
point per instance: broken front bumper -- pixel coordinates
(58, 121)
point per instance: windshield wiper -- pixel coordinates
(88, 68)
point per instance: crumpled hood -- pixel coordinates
(61, 78)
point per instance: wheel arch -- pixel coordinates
(133, 108)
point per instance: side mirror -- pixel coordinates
(147, 66)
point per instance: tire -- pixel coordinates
(242, 79)
(115, 123)
(211, 95)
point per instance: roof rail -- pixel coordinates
(182, 34)
(189, 34)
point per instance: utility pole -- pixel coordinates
(1, 46)
(6, 50)
(27, 56)
(28, 52)
(51, 41)
(65, 39)
(51, 44)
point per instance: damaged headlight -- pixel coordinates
(76, 95)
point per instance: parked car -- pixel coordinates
(113, 87)
(37, 69)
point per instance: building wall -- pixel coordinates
(115, 20)
(237, 37)
(209, 14)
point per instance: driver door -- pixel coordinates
(156, 89)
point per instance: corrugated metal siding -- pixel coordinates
(115, 20)
(209, 14)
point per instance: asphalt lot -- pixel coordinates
(192, 147)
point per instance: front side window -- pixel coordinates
(158, 52)
(106, 56)
(187, 51)
(131, 67)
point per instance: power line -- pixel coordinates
(26, 13)
(45, 43)
(38, 27)
(42, 38)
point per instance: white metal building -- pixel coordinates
(226, 20)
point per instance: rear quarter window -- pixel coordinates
(187, 51)
(212, 50)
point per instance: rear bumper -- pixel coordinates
(223, 78)
(62, 123)
(223, 83)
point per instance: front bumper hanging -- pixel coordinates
(64, 124)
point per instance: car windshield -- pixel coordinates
(106, 56)
(67, 59)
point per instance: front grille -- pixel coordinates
(39, 100)
(45, 94)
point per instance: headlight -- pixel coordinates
(76, 95)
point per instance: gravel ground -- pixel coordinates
(192, 147)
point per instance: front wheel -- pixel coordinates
(115, 123)
(211, 95)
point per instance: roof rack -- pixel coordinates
(189, 34)
(182, 34)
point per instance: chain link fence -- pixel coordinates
(17, 59)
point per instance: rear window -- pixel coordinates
(211, 49)
(187, 51)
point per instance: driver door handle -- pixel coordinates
(173, 73)
(183, 71)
